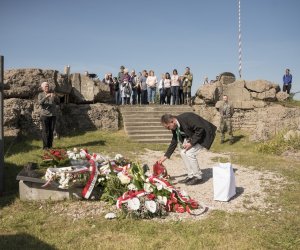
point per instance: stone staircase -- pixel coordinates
(142, 123)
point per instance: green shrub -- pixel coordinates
(278, 145)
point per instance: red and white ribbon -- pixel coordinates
(87, 190)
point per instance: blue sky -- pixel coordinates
(99, 36)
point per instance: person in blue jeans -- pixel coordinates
(287, 81)
(175, 87)
(143, 84)
(151, 86)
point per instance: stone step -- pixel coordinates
(156, 107)
(151, 136)
(142, 123)
(143, 113)
(145, 123)
(142, 127)
(144, 131)
(166, 141)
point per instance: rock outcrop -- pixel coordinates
(25, 84)
(254, 103)
(242, 94)
(80, 107)
(24, 116)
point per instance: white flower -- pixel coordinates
(184, 193)
(134, 204)
(110, 216)
(123, 178)
(119, 157)
(99, 158)
(151, 206)
(162, 199)
(82, 154)
(159, 186)
(148, 173)
(75, 150)
(131, 186)
(148, 188)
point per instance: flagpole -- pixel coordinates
(240, 39)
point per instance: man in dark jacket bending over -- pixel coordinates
(191, 133)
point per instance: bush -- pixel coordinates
(278, 145)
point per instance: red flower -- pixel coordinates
(193, 204)
(178, 208)
(159, 170)
(151, 196)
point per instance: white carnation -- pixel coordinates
(134, 204)
(148, 188)
(119, 157)
(123, 178)
(151, 206)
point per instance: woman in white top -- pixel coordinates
(151, 86)
(161, 89)
(167, 85)
(175, 87)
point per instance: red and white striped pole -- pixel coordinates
(240, 41)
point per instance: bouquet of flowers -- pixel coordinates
(151, 195)
(55, 157)
(132, 187)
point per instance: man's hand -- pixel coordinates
(162, 159)
(187, 146)
(50, 95)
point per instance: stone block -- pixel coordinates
(30, 191)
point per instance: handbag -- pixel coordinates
(223, 182)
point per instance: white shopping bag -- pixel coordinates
(223, 181)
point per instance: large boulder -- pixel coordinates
(210, 93)
(82, 117)
(282, 96)
(269, 95)
(260, 86)
(25, 83)
(237, 92)
(87, 90)
(18, 115)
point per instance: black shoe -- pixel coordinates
(185, 180)
(194, 181)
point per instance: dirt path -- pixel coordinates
(250, 187)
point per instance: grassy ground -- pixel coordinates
(24, 224)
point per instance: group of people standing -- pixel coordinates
(144, 87)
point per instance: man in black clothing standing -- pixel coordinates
(47, 101)
(191, 133)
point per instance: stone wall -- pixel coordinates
(22, 116)
(255, 104)
(261, 123)
(80, 111)
(25, 84)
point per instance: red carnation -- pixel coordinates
(151, 196)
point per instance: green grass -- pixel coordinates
(24, 224)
